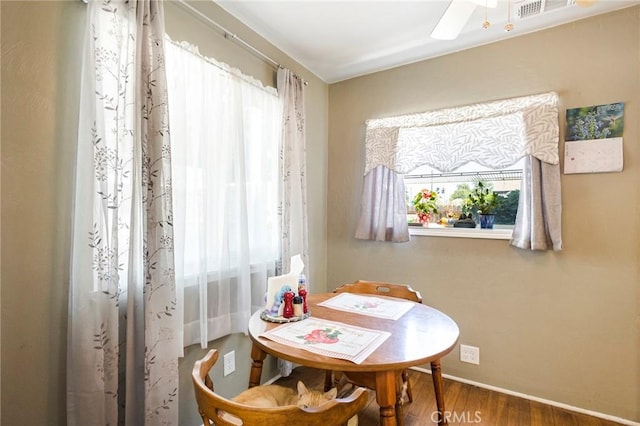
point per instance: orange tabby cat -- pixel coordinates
(276, 396)
(267, 396)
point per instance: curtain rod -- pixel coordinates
(231, 36)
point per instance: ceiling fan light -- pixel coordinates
(453, 20)
(486, 24)
(508, 26)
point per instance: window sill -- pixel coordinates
(435, 230)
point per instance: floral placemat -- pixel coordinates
(329, 338)
(369, 305)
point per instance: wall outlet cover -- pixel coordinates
(229, 363)
(470, 354)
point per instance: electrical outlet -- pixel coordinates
(470, 354)
(229, 363)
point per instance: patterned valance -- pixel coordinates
(494, 134)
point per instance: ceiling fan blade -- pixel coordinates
(486, 3)
(453, 20)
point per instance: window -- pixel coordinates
(497, 134)
(225, 141)
(453, 188)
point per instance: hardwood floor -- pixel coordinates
(466, 405)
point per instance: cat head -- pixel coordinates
(312, 398)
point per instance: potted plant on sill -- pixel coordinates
(483, 201)
(424, 203)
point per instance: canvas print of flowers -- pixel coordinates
(595, 122)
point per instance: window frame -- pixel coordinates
(439, 231)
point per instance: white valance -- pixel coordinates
(494, 134)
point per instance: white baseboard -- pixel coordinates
(270, 381)
(535, 398)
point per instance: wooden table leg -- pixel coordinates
(328, 380)
(399, 400)
(257, 358)
(386, 397)
(436, 375)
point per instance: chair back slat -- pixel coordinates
(401, 291)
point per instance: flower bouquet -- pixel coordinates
(425, 204)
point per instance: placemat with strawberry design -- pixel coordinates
(329, 338)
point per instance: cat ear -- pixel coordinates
(331, 394)
(302, 389)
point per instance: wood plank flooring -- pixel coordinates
(466, 405)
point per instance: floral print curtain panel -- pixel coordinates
(122, 366)
(293, 185)
(494, 134)
(293, 189)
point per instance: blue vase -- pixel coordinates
(486, 221)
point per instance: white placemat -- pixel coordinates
(369, 305)
(329, 338)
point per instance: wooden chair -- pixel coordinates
(400, 291)
(215, 410)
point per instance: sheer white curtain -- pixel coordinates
(293, 180)
(225, 138)
(122, 353)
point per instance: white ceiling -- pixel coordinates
(337, 40)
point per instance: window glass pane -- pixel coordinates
(225, 134)
(452, 190)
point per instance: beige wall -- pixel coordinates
(561, 326)
(40, 79)
(41, 51)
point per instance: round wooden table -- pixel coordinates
(422, 335)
